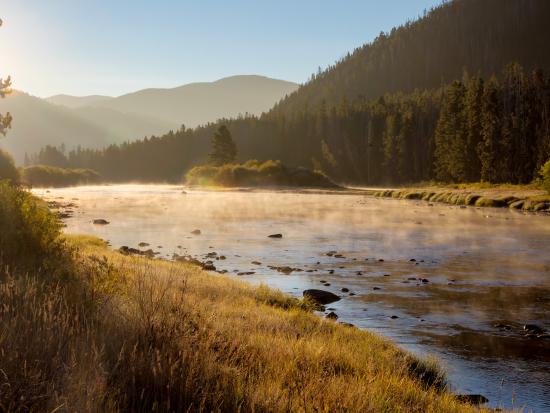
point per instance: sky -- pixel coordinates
(112, 47)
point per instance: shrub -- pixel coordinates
(42, 175)
(256, 173)
(29, 232)
(7, 167)
(545, 173)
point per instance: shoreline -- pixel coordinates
(327, 333)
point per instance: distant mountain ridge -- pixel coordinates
(74, 102)
(96, 121)
(193, 104)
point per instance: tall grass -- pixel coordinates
(134, 334)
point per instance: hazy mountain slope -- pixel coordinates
(37, 123)
(478, 36)
(198, 103)
(76, 101)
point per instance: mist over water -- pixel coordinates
(486, 272)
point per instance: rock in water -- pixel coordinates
(472, 398)
(196, 232)
(533, 328)
(143, 244)
(332, 316)
(321, 296)
(275, 236)
(100, 221)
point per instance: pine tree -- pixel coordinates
(224, 149)
(5, 120)
(450, 136)
(473, 104)
(488, 149)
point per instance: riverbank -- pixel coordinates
(517, 197)
(98, 330)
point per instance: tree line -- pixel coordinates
(495, 129)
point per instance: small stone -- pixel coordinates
(275, 236)
(393, 317)
(196, 232)
(344, 290)
(100, 221)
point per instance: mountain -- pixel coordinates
(473, 36)
(37, 122)
(196, 103)
(96, 121)
(77, 101)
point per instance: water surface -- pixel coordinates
(486, 272)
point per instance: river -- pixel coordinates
(456, 283)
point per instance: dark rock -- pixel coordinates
(351, 294)
(339, 256)
(275, 236)
(346, 324)
(321, 296)
(246, 273)
(143, 244)
(222, 257)
(475, 399)
(100, 221)
(386, 275)
(344, 290)
(331, 271)
(393, 317)
(412, 260)
(332, 316)
(376, 288)
(359, 273)
(208, 267)
(533, 329)
(425, 280)
(256, 263)
(196, 232)
(380, 260)
(327, 284)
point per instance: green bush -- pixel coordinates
(256, 173)
(51, 176)
(545, 173)
(7, 167)
(29, 232)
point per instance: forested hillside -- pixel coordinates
(440, 98)
(479, 37)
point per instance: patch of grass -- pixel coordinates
(51, 176)
(255, 173)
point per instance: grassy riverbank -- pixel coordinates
(519, 197)
(85, 328)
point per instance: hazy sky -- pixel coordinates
(112, 47)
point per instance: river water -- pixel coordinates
(485, 272)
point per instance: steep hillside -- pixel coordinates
(479, 37)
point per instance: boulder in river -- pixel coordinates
(275, 236)
(143, 244)
(321, 296)
(100, 221)
(196, 232)
(344, 290)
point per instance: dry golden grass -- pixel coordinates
(133, 334)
